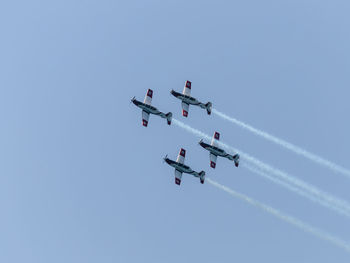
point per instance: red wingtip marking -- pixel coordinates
(144, 123)
(184, 113)
(150, 93)
(212, 165)
(188, 84)
(183, 152)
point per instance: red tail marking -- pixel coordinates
(144, 123)
(150, 93)
(184, 113)
(217, 136)
(177, 181)
(212, 164)
(188, 84)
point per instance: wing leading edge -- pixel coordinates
(185, 108)
(213, 159)
(145, 117)
(215, 139)
(178, 176)
(148, 97)
(181, 156)
(187, 88)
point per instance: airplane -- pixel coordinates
(147, 109)
(180, 167)
(186, 99)
(215, 151)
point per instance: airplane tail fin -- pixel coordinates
(236, 159)
(208, 106)
(202, 176)
(169, 117)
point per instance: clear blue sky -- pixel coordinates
(82, 181)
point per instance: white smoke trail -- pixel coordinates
(298, 182)
(323, 196)
(295, 189)
(313, 157)
(291, 220)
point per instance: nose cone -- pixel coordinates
(167, 160)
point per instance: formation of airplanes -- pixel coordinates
(186, 101)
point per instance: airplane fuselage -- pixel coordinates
(181, 167)
(147, 108)
(214, 150)
(187, 99)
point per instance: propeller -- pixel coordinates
(166, 156)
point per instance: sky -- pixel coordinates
(81, 180)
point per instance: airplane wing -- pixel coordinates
(181, 156)
(145, 117)
(213, 158)
(148, 97)
(178, 176)
(187, 88)
(215, 139)
(185, 108)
